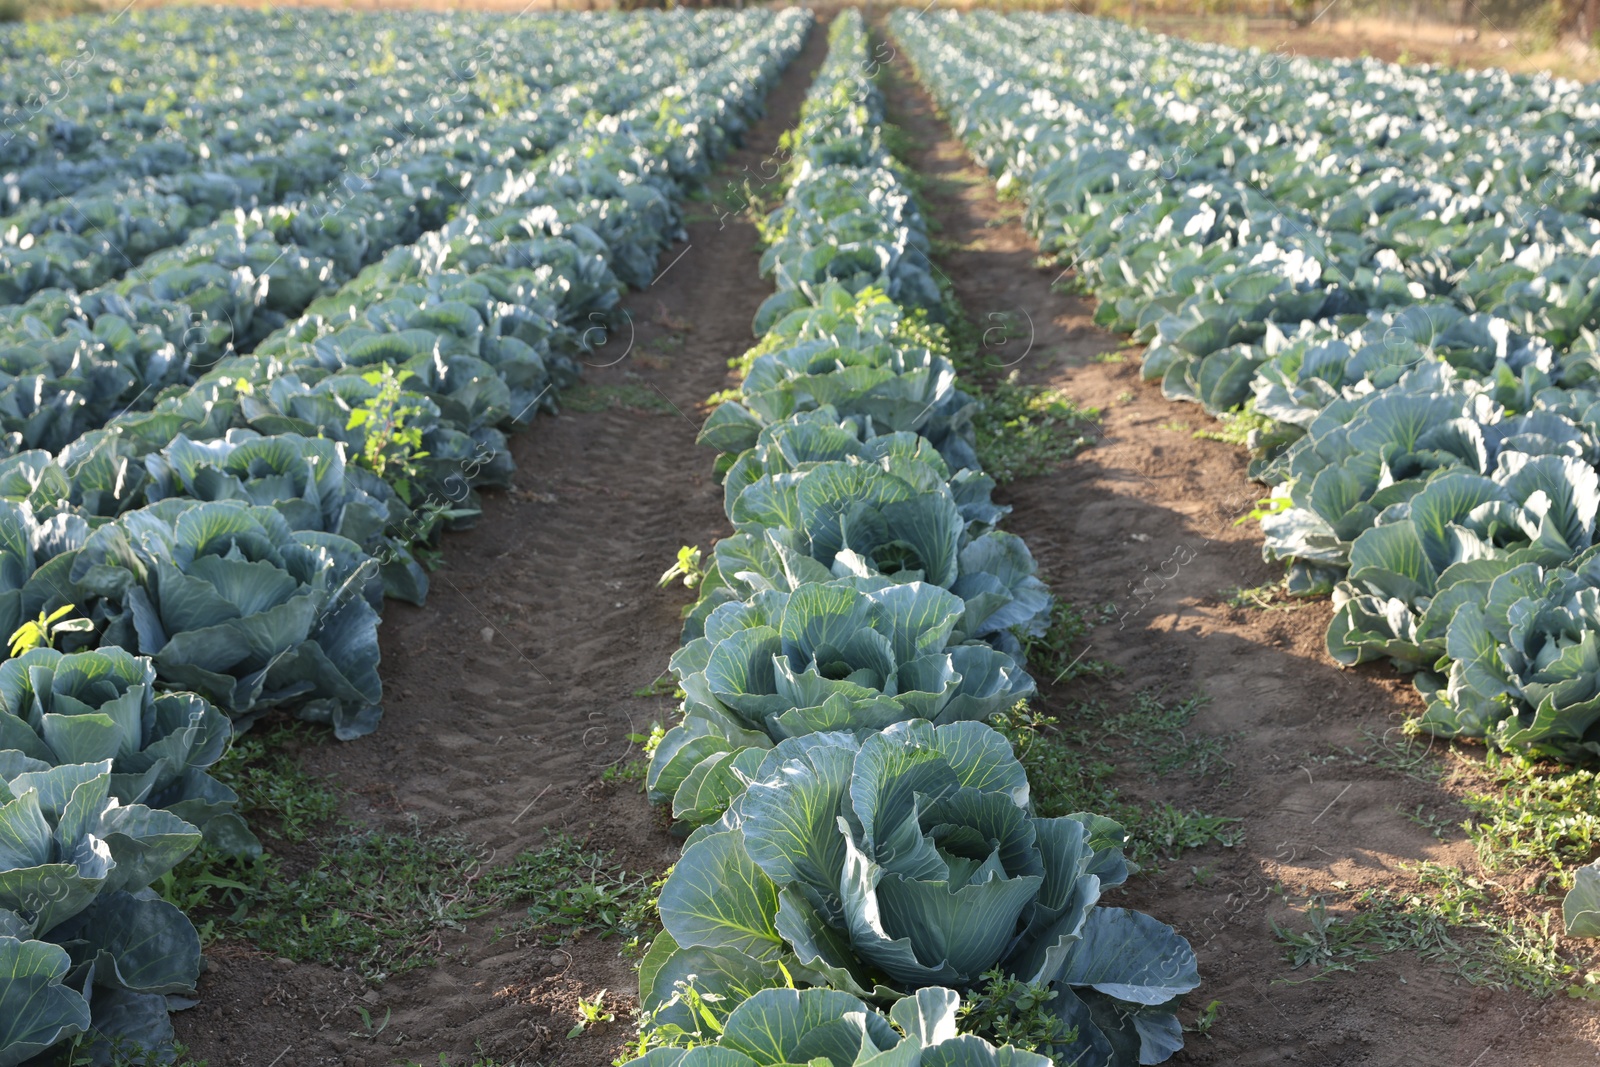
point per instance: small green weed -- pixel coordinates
(1206, 1020)
(1236, 426)
(688, 567)
(282, 803)
(591, 1013)
(1269, 597)
(43, 631)
(1171, 831)
(120, 1052)
(1011, 1012)
(392, 436)
(1533, 815)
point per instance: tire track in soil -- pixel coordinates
(1144, 521)
(509, 694)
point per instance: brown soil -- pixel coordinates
(1143, 523)
(509, 694)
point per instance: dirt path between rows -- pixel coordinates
(513, 690)
(1142, 526)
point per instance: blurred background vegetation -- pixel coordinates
(1559, 36)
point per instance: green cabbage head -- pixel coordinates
(827, 1028)
(100, 704)
(855, 654)
(910, 859)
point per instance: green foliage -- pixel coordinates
(1027, 430)
(591, 1012)
(380, 901)
(1260, 598)
(123, 1053)
(43, 631)
(1059, 655)
(1009, 1011)
(1079, 767)
(277, 794)
(1237, 426)
(1453, 920)
(1207, 1019)
(1534, 816)
(392, 444)
(688, 567)
(280, 801)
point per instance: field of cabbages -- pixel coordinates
(670, 538)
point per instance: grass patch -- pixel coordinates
(585, 398)
(1521, 814)
(1453, 921)
(282, 804)
(1390, 751)
(278, 798)
(1074, 767)
(1060, 653)
(1021, 430)
(381, 901)
(1534, 815)
(1025, 430)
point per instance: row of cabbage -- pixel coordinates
(100, 106)
(1420, 354)
(247, 569)
(427, 124)
(1404, 289)
(71, 360)
(859, 837)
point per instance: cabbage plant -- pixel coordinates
(1581, 909)
(856, 654)
(907, 860)
(307, 480)
(1362, 456)
(827, 1027)
(101, 704)
(229, 602)
(813, 501)
(1434, 552)
(1524, 662)
(89, 943)
(857, 355)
